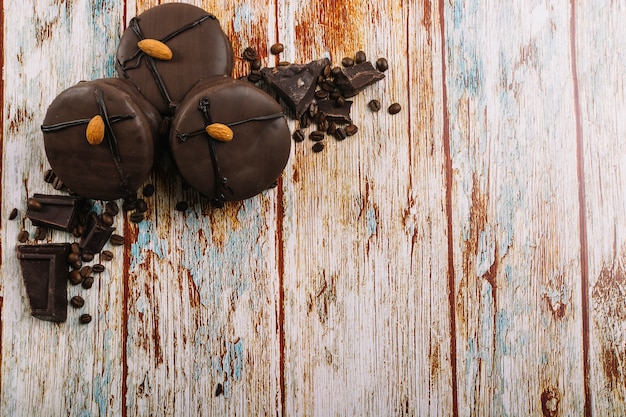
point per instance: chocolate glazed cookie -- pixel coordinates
(229, 139)
(168, 48)
(100, 138)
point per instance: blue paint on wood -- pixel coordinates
(372, 222)
(244, 16)
(147, 241)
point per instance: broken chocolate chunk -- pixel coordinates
(96, 235)
(44, 271)
(334, 112)
(55, 211)
(295, 83)
(352, 80)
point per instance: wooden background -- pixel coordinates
(464, 257)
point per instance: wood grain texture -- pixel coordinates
(465, 257)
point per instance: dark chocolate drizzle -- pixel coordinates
(139, 54)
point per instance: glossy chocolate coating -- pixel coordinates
(197, 52)
(56, 211)
(252, 160)
(90, 170)
(44, 271)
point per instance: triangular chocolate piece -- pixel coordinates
(44, 271)
(351, 80)
(295, 83)
(96, 235)
(56, 211)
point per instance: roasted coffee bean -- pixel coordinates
(382, 65)
(129, 205)
(340, 101)
(347, 61)
(97, 268)
(256, 64)
(41, 233)
(219, 390)
(78, 230)
(249, 54)
(77, 301)
(75, 247)
(49, 176)
(85, 319)
(77, 265)
(137, 217)
(334, 95)
(320, 79)
(254, 76)
(316, 135)
(87, 283)
(328, 86)
(323, 125)
(106, 255)
(57, 184)
(73, 257)
(332, 127)
(320, 117)
(305, 121)
(33, 204)
(112, 208)
(148, 190)
(318, 147)
(116, 240)
(182, 206)
(321, 94)
(141, 206)
(374, 105)
(335, 71)
(85, 271)
(23, 236)
(75, 277)
(326, 71)
(360, 57)
(351, 129)
(394, 108)
(106, 219)
(312, 110)
(87, 257)
(298, 135)
(283, 63)
(13, 214)
(340, 133)
(277, 48)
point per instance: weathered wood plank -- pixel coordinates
(601, 68)
(48, 369)
(514, 200)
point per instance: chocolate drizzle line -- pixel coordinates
(182, 137)
(139, 54)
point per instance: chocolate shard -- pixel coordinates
(55, 211)
(334, 112)
(295, 83)
(96, 235)
(352, 80)
(44, 271)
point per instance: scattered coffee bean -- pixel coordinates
(87, 257)
(321, 94)
(347, 61)
(112, 208)
(141, 206)
(182, 206)
(334, 95)
(323, 125)
(73, 257)
(78, 230)
(77, 301)
(85, 271)
(326, 71)
(129, 204)
(106, 219)
(360, 57)
(23, 236)
(328, 86)
(87, 283)
(374, 105)
(33, 204)
(148, 190)
(75, 277)
(351, 130)
(13, 214)
(57, 184)
(254, 76)
(256, 65)
(305, 121)
(75, 247)
(97, 268)
(77, 265)
(340, 133)
(116, 240)
(340, 101)
(298, 135)
(137, 217)
(49, 176)
(106, 255)
(283, 63)
(85, 319)
(394, 108)
(41, 233)
(219, 390)
(335, 71)
(249, 54)
(332, 127)
(277, 48)
(316, 135)
(318, 147)
(382, 65)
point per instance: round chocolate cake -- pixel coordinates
(100, 138)
(229, 139)
(168, 48)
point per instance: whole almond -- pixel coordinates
(156, 49)
(220, 132)
(95, 130)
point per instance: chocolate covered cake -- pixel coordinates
(229, 139)
(168, 48)
(100, 138)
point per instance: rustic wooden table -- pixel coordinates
(466, 256)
